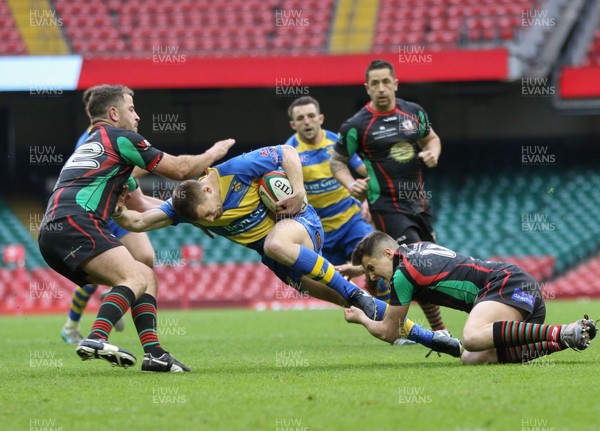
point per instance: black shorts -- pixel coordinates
(513, 286)
(405, 228)
(66, 243)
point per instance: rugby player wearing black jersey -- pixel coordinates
(394, 139)
(505, 304)
(74, 237)
(139, 246)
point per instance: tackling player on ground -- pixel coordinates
(505, 304)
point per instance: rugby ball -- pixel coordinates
(273, 187)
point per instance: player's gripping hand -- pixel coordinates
(292, 204)
(121, 201)
(359, 188)
(354, 315)
(428, 158)
(349, 271)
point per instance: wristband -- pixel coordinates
(350, 186)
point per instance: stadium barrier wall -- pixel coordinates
(75, 72)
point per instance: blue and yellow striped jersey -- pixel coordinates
(245, 220)
(331, 200)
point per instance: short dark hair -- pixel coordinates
(87, 95)
(301, 101)
(186, 198)
(102, 97)
(379, 64)
(370, 245)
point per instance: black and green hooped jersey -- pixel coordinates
(388, 144)
(93, 177)
(433, 274)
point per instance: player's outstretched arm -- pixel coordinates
(293, 170)
(135, 221)
(138, 201)
(191, 167)
(387, 329)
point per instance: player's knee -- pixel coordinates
(471, 339)
(146, 257)
(138, 281)
(469, 358)
(275, 248)
(477, 358)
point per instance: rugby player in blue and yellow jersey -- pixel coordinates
(226, 202)
(340, 213)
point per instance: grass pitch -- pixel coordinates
(289, 371)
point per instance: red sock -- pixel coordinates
(112, 308)
(511, 334)
(434, 316)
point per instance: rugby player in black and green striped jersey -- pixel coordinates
(505, 304)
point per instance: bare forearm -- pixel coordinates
(189, 167)
(293, 168)
(148, 203)
(432, 143)
(139, 202)
(362, 171)
(340, 170)
(135, 221)
(138, 172)
(435, 146)
(378, 329)
(192, 167)
(130, 220)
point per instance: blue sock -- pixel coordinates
(383, 291)
(381, 308)
(316, 267)
(79, 301)
(420, 335)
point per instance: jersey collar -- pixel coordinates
(374, 112)
(319, 144)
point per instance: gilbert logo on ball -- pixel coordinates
(273, 187)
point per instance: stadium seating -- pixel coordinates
(237, 27)
(268, 27)
(581, 281)
(448, 24)
(593, 57)
(11, 41)
(521, 213)
(12, 231)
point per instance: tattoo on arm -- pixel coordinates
(338, 162)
